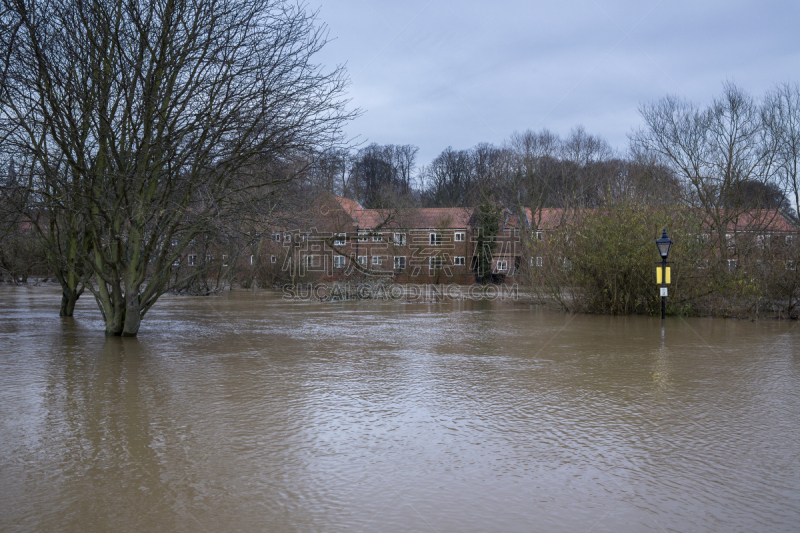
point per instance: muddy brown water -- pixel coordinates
(245, 412)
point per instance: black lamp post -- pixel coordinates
(663, 244)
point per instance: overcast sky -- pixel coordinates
(438, 73)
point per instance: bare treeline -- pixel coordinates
(737, 153)
(377, 176)
(531, 168)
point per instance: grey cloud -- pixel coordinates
(469, 72)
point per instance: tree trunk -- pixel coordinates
(114, 323)
(112, 304)
(123, 317)
(69, 297)
(132, 303)
(132, 316)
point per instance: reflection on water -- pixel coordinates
(245, 412)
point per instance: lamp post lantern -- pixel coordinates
(663, 274)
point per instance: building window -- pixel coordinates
(702, 238)
(729, 238)
(459, 261)
(209, 258)
(276, 237)
(338, 261)
(377, 260)
(435, 262)
(789, 240)
(762, 240)
(790, 265)
(538, 235)
(400, 239)
(362, 235)
(224, 260)
(536, 261)
(378, 237)
(341, 239)
(251, 259)
(436, 239)
(459, 236)
(192, 260)
(731, 265)
(399, 262)
(502, 266)
(177, 262)
(273, 259)
(362, 260)
(287, 237)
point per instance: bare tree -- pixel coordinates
(584, 173)
(782, 114)
(449, 179)
(382, 176)
(646, 181)
(712, 150)
(144, 115)
(535, 175)
(489, 167)
(330, 171)
(373, 176)
(404, 159)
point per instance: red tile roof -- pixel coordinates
(420, 218)
(766, 220)
(545, 219)
(350, 206)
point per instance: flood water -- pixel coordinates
(245, 412)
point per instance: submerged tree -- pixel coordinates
(140, 117)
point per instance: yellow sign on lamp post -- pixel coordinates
(660, 278)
